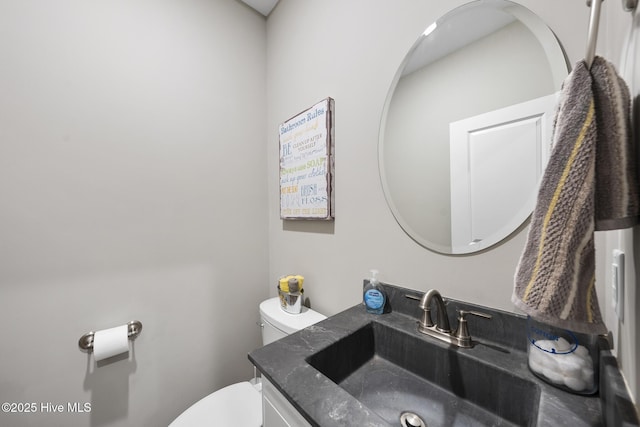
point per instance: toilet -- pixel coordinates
(243, 401)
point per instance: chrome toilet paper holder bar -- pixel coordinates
(133, 330)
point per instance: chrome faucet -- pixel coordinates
(441, 329)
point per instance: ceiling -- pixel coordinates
(263, 6)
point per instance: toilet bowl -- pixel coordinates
(237, 404)
(241, 403)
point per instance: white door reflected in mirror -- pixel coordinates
(497, 160)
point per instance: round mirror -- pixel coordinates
(466, 128)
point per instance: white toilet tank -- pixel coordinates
(277, 323)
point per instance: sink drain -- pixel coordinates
(409, 419)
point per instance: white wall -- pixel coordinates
(132, 165)
(350, 50)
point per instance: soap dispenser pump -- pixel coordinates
(374, 297)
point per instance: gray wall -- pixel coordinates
(132, 165)
(350, 50)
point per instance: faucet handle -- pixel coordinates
(462, 333)
(425, 320)
(475, 313)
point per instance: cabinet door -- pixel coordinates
(276, 409)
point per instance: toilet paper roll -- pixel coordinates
(110, 342)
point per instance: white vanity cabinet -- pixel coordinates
(276, 409)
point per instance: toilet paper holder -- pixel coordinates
(133, 330)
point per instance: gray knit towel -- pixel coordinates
(579, 192)
(617, 203)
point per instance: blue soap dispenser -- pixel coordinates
(374, 297)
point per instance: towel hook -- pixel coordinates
(594, 22)
(592, 37)
(627, 5)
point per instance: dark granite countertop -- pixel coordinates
(499, 342)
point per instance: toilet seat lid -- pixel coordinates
(237, 404)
